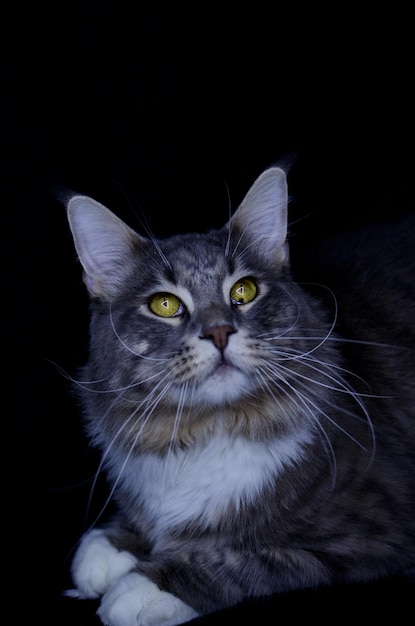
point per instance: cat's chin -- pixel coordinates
(225, 384)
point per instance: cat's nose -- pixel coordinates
(219, 335)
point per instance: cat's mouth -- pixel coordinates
(224, 367)
(224, 382)
(227, 363)
(224, 364)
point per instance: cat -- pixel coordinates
(258, 434)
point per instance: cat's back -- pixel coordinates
(370, 273)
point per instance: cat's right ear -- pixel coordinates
(261, 218)
(104, 244)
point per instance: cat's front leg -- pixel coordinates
(136, 601)
(128, 598)
(98, 564)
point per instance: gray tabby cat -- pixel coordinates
(257, 437)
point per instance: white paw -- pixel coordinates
(98, 564)
(136, 601)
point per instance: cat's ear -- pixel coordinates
(104, 244)
(261, 218)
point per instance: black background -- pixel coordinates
(169, 112)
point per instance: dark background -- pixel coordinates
(169, 112)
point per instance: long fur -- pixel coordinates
(257, 434)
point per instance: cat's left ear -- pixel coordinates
(261, 218)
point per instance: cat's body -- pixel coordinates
(257, 437)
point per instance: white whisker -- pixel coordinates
(301, 402)
(147, 358)
(179, 411)
(149, 408)
(306, 397)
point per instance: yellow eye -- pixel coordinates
(166, 305)
(243, 291)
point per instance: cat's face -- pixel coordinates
(194, 324)
(203, 323)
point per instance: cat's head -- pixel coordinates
(188, 325)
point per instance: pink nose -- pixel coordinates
(219, 335)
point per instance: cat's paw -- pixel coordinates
(136, 601)
(98, 564)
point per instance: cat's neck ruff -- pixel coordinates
(200, 483)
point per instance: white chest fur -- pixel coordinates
(200, 483)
